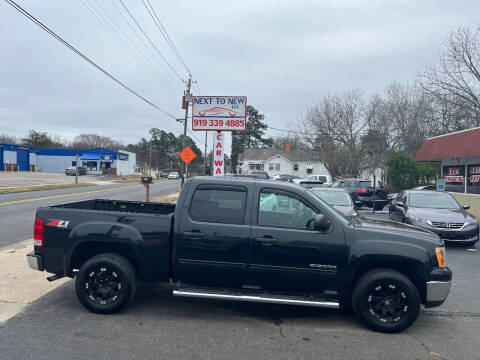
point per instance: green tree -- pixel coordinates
(427, 172)
(252, 137)
(402, 172)
(40, 139)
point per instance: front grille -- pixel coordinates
(444, 225)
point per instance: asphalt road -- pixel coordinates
(159, 326)
(17, 211)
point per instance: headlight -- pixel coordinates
(473, 222)
(416, 219)
(440, 252)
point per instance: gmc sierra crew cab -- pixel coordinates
(248, 240)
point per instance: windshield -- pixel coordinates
(433, 201)
(338, 198)
(322, 178)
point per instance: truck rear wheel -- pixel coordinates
(386, 300)
(106, 283)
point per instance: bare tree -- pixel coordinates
(333, 129)
(9, 139)
(455, 79)
(92, 141)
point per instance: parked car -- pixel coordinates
(161, 174)
(260, 175)
(362, 191)
(264, 241)
(340, 199)
(437, 212)
(430, 187)
(174, 175)
(70, 171)
(316, 179)
(286, 177)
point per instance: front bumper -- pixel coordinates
(438, 286)
(469, 234)
(35, 261)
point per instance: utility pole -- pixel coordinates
(150, 162)
(76, 169)
(205, 155)
(187, 98)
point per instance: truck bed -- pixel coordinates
(142, 228)
(137, 207)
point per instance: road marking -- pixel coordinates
(65, 195)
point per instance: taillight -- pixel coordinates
(361, 191)
(38, 232)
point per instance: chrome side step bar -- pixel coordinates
(261, 298)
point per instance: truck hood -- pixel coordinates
(399, 231)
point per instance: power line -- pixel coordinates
(164, 33)
(150, 41)
(127, 44)
(169, 78)
(60, 39)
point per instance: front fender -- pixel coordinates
(105, 232)
(411, 258)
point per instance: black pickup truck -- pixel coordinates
(248, 240)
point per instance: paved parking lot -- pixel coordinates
(14, 179)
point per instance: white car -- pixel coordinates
(174, 175)
(315, 178)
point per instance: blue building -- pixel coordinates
(96, 161)
(15, 157)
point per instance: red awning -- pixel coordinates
(459, 144)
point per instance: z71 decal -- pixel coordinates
(58, 223)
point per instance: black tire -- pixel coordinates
(386, 300)
(379, 207)
(106, 283)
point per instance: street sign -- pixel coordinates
(441, 184)
(187, 155)
(218, 155)
(219, 113)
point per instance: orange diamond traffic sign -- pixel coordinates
(187, 155)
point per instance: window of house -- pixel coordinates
(282, 210)
(251, 166)
(295, 167)
(309, 171)
(277, 167)
(271, 166)
(218, 205)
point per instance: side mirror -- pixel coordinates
(358, 204)
(322, 223)
(399, 204)
(466, 207)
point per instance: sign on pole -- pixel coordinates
(218, 155)
(441, 184)
(187, 155)
(219, 113)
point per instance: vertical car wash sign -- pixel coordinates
(219, 113)
(218, 155)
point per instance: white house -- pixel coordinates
(275, 161)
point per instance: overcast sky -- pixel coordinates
(282, 55)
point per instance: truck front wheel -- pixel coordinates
(106, 283)
(386, 300)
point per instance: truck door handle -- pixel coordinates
(266, 240)
(195, 234)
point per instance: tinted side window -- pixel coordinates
(218, 206)
(281, 210)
